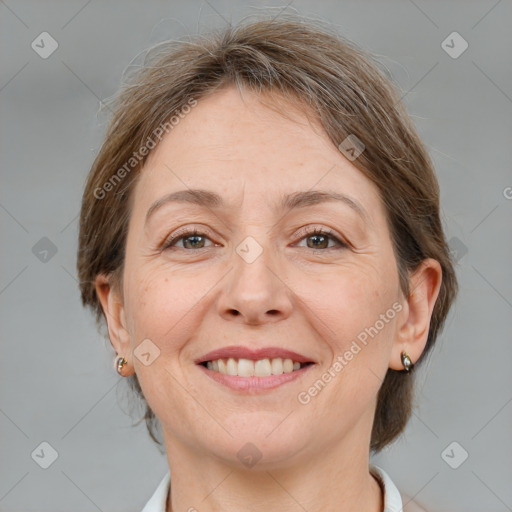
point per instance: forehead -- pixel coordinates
(246, 146)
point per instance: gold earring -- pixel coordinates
(406, 361)
(120, 362)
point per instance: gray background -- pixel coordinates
(57, 381)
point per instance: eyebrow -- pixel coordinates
(291, 201)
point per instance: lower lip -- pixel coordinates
(255, 384)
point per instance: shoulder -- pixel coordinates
(409, 505)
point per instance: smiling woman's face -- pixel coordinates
(255, 275)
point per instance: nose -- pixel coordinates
(255, 292)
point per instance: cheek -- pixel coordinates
(160, 307)
(353, 299)
(374, 304)
(158, 303)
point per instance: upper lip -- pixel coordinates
(239, 352)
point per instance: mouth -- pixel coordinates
(254, 368)
(248, 370)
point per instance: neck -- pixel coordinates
(336, 480)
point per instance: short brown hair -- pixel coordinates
(346, 90)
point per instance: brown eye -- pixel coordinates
(320, 238)
(318, 241)
(190, 240)
(193, 241)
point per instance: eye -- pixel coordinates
(195, 239)
(320, 238)
(192, 239)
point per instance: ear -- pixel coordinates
(112, 303)
(414, 322)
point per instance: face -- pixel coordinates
(258, 262)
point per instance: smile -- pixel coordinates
(249, 368)
(254, 370)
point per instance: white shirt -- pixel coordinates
(392, 498)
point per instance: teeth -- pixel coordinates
(288, 366)
(277, 366)
(262, 368)
(249, 368)
(245, 368)
(231, 367)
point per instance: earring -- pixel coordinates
(406, 361)
(119, 363)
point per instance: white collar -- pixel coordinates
(392, 498)
(158, 501)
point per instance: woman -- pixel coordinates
(260, 230)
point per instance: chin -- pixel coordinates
(262, 441)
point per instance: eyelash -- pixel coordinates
(310, 231)
(304, 233)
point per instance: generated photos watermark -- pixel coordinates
(143, 151)
(304, 397)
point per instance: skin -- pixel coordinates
(315, 301)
